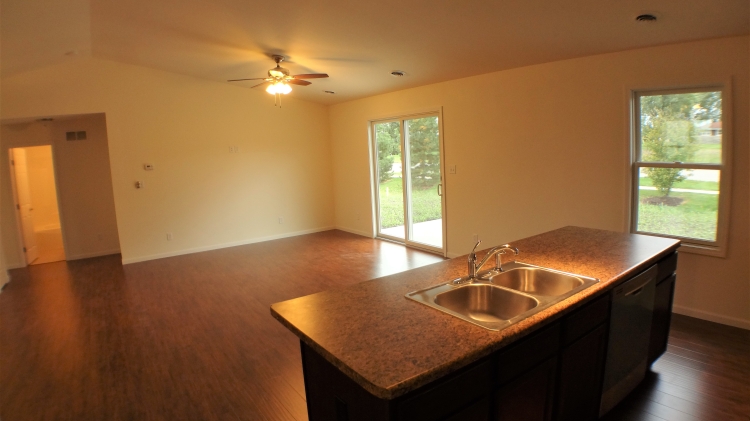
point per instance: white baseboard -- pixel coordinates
(221, 246)
(712, 317)
(80, 256)
(353, 231)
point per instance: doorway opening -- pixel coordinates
(408, 180)
(35, 193)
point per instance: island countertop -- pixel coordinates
(391, 345)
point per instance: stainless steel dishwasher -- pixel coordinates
(629, 335)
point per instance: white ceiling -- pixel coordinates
(358, 43)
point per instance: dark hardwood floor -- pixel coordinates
(191, 338)
(183, 338)
(704, 375)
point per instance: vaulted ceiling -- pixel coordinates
(358, 43)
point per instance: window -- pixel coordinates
(680, 166)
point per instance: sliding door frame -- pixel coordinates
(406, 177)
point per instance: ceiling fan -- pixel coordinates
(278, 80)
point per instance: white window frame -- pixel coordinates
(716, 248)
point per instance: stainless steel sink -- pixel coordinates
(486, 303)
(535, 281)
(496, 300)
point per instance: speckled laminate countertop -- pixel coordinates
(391, 345)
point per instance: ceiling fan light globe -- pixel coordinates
(272, 89)
(284, 88)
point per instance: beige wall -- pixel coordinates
(42, 187)
(83, 178)
(204, 195)
(545, 146)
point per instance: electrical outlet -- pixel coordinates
(452, 169)
(234, 149)
(358, 216)
(281, 219)
(169, 236)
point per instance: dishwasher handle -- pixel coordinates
(635, 286)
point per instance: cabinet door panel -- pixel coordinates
(579, 390)
(585, 319)
(529, 397)
(661, 319)
(447, 395)
(527, 353)
(479, 411)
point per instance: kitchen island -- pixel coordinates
(370, 353)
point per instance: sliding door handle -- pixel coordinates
(440, 189)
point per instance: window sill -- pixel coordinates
(712, 251)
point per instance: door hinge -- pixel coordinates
(24, 249)
(12, 162)
(18, 206)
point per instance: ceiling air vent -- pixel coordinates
(75, 135)
(647, 17)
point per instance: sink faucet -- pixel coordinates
(495, 251)
(503, 250)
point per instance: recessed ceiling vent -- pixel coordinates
(398, 73)
(329, 92)
(75, 135)
(645, 18)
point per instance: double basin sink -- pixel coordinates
(496, 300)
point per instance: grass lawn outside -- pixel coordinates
(695, 217)
(686, 184)
(708, 153)
(426, 204)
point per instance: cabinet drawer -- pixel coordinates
(448, 395)
(585, 319)
(528, 353)
(666, 267)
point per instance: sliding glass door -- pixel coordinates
(408, 181)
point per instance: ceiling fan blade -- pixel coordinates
(299, 82)
(311, 76)
(240, 80)
(260, 84)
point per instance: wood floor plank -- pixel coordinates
(183, 338)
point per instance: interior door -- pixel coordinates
(408, 181)
(23, 201)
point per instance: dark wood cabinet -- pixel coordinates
(662, 318)
(552, 374)
(580, 382)
(450, 395)
(528, 397)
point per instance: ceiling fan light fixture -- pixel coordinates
(284, 88)
(279, 88)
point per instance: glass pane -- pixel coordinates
(679, 202)
(390, 186)
(681, 127)
(423, 162)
